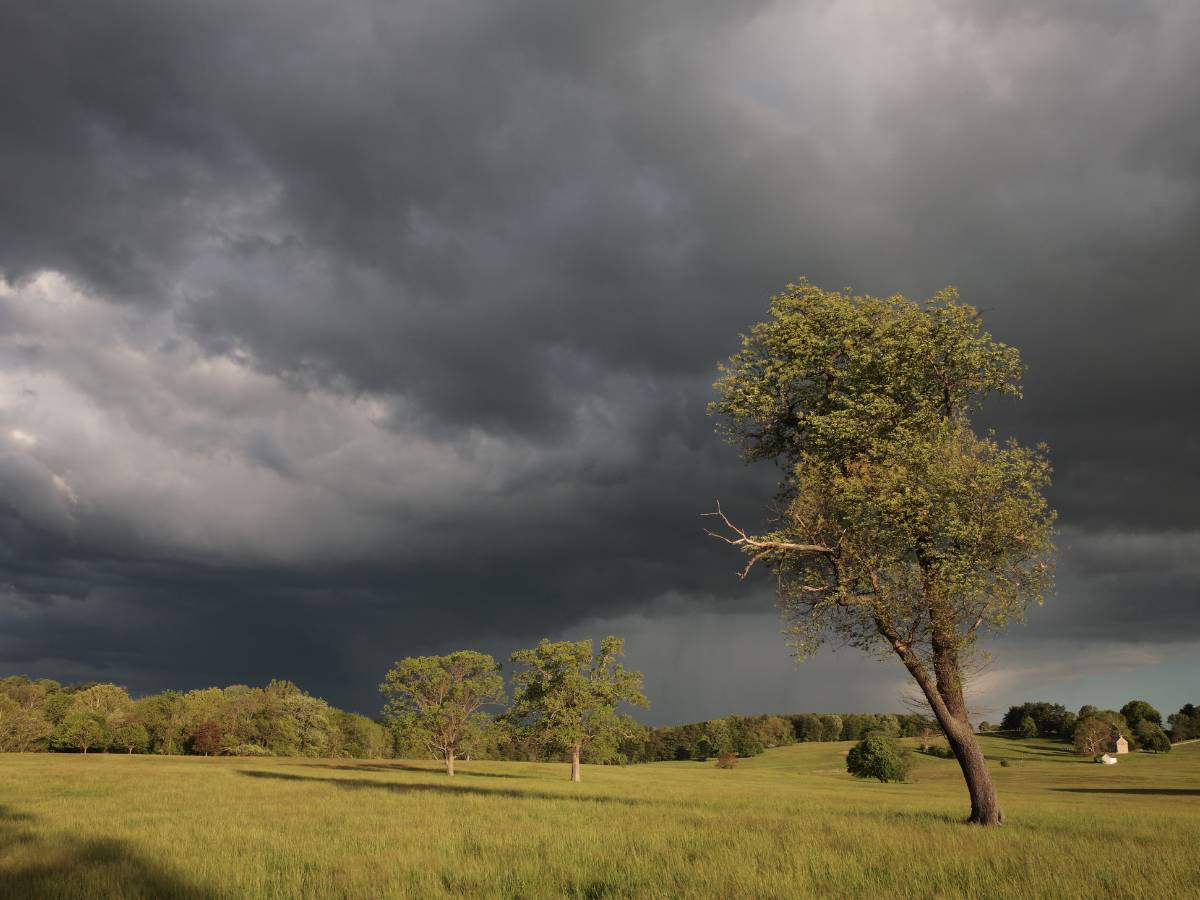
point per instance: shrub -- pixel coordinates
(878, 757)
(939, 751)
(1004, 763)
(726, 760)
(249, 750)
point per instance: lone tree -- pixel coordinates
(568, 695)
(880, 757)
(900, 530)
(437, 700)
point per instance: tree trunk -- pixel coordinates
(946, 700)
(449, 762)
(985, 806)
(131, 751)
(575, 767)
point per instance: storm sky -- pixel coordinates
(335, 331)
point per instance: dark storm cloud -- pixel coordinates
(391, 326)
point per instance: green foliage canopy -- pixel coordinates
(437, 700)
(1140, 710)
(567, 696)
(879, 757)
(898, 523)
(81, 731)
(21, 729)
(278, 720)
(1185, 724)
(1151, 737)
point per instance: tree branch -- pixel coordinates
(764, 548)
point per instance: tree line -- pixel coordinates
(566, 706)
(277, 720)
(747, 736)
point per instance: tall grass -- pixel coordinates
(789, 823)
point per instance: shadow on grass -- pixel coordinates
(457, 790)
(1056, 752)
(1160, 792)
(70, 867)
(1015, 738)
(392, 767)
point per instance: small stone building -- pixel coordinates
(1120, 745)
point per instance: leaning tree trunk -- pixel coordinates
(946, 700)
(985, 806)
(449, 762)
(575, 767)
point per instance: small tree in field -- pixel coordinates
(901, 530)
(726, 760)
(568, 696)
(436, 701)
(878, 757)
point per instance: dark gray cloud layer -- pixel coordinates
(332, 332)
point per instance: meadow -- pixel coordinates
(788, 823)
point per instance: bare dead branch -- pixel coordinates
(763, 548)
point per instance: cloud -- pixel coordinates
(397, 323)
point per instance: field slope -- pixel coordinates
(789, 823)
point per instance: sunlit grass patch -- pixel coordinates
(789, 823)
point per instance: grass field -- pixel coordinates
(789, 823)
